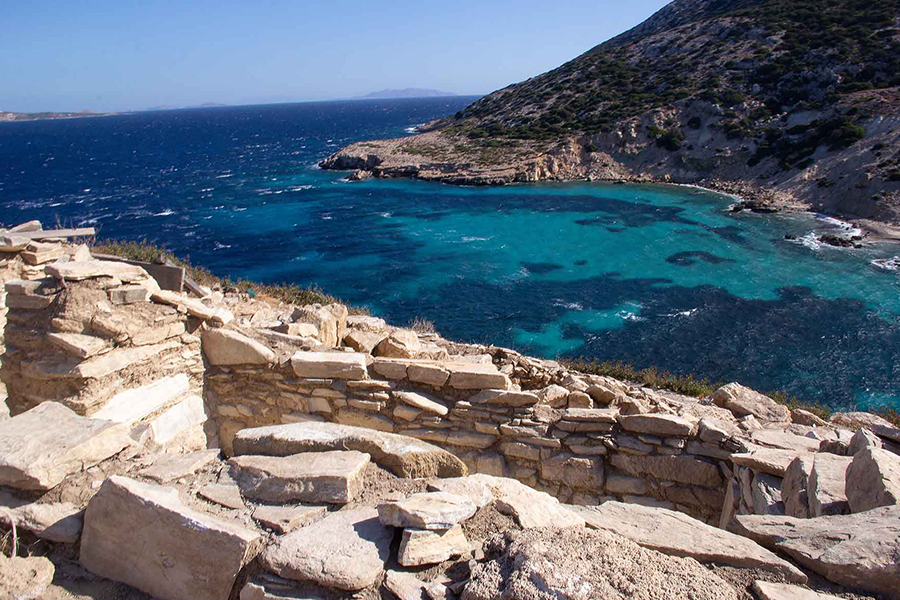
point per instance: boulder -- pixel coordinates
(40, 447)
(402, 455)
(677, 534)
(584, 564)
(333, 477)
(863, 439)
(873, 480)
(329, 365)
(353, 558)
(427, 510)
(531, 508)
(405, 586)
(363, 341)
(794, 492)
(743, 401)
(25, 578)
(224, 347)
(330, 321)
(58, 522)
(430, 547)
(401, 343)
(859, 550)
(767, 590)
(182, 553)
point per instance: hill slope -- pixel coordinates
(793, 103)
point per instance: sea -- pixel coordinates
(650, 275)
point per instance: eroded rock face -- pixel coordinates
(181, 553)
(404, 456)
(858, 550)
(582, 564)
(743, 401)
(345, 550)
(677, 534)
(40, 447)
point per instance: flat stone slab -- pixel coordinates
(345, 550)
(225, 347)
(826, 485)
(767, 590)
(505, 398)
(77, 344)
(859, 550)
(475, 490)
(285, 519)
(141, 534)
(472, 376)
(53, 521)
(683, 469)
(402, 455)
(194, 307)
(175, 466)
(40, 447)
(334, 477)
(88, 269)
(424, 547)
(777, 438)
(427, 510)
(329, 365)
(135, 404)
(766, 460)
(677, 534)
(223, 494)
(658, 424)
(531, 508)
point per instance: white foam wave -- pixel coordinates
(888, 264)
(164, 213)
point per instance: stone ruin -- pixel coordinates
(226, 446)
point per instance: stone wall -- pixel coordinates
(582, 439)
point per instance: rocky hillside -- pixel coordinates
(800, 99)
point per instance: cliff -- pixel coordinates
(789, 104)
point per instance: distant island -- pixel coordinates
(170, 107)
(404, 93)
(17, 116)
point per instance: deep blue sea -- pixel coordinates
(651, 275)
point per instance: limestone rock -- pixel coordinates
(473, 376)
(683, 469)
(873, 480)
(334, 477)
(658, 424)
(223, 494)
(863, 439)
(77, 344)
(422, 402)
(531, 508)
(402, 455)
(297, 329)
(25, 578)
(505, 398)
(743, 401)
(784, 591)
(81, 270)
(131, 406)
(179, 418)
(794, 492)
(285, 519)
(783, 440)
(329, 365)
(429, 547)
(859, 550)
(431, 374)
(585, 564)
(40, 447)
(175, 466)
(405, 586)
(677, 534)
(826, 485)
(804, 417)
(193, 307)
(353, 558)
(225, 347)
(766, 494)
(766, 460)
(363, 341)
(427, 510)
(577, 472)
(401, 343)
(181, 554)
(330, 321)
(470, 487)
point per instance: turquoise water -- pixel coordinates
(652, 275)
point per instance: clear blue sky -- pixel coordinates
(132, 54)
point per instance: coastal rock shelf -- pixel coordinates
(232, 435)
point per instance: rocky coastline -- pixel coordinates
(203, 444)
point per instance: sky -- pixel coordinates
(117, 55)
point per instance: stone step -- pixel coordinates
(179, 418)
(181, 553)
(40, 447)
(77, 344)
(332, 477)
(169, 467)
(131, 406)
(427, 510)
